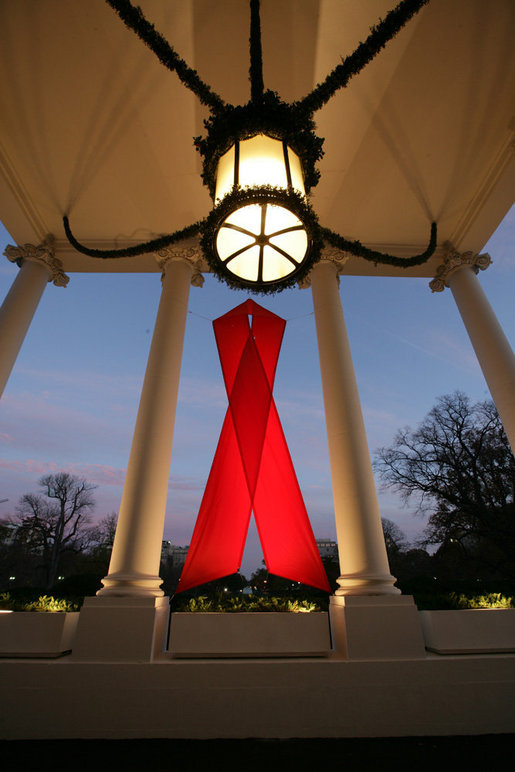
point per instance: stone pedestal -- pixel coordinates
(121, 629)
(469, 631)
(39, 634)
(376, 627)
(247, 634)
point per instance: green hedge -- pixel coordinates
(240, 603)
(46, 603)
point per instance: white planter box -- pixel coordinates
(247, 634)
(37, 634)
(469, 631)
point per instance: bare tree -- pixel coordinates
(102, 534)
(55, 521)
(395, 539)
(459, 467)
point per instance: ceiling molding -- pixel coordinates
(486, 189)
(22, 197)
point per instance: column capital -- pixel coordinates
(453, 261)
(191, 255)
(44, 254)
(329, 255)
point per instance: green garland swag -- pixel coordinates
(357, 248)
(154, 245)
(256, 55)
(262, 194)
(134, 19)
(266, 114)
(379, 36)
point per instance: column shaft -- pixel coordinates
(16, 313)
(134, 567)
(363, 558)
(492, 348)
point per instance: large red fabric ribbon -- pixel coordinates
(252, 468)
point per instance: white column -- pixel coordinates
(134, 567)
(363, 559)
(38, 267)
(493, 351)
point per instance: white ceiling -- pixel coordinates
(92, 124)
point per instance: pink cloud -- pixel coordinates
(95, 473)
(195, 391)
(29, 466)
(33, 423)
(186, 484)
(89, 380)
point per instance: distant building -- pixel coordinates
(327, 548)
(8, 531)
(173, 553)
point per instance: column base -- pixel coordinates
(114, 629)
(133, 585)
(361, 584)
(375, 627)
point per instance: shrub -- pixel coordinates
(7, 602)
(491, 600)
(238, 603)
(45, 603)
(453, 601)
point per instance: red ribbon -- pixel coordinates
(252, 468)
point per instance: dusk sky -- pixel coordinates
(72, 398)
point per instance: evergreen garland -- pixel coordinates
(357, 248)
(379, 36)
(134, 19)
(154, 245)
(256, 57)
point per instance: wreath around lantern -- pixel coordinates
(262, 196)
(265, 118)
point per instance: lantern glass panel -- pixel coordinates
(275, 266)
(278, 218)
(230, 241)
(261, 162)
(247, 217)
(297, 177)
(294, 243)
(225, 174)
(246, 265)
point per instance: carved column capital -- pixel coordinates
(329, 255)
(44, 254)
(453, 261)
(192, 255)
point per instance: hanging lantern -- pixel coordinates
(260, 235)
(259, 162)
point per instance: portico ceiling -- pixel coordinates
(91, 124)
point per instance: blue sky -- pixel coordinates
(72, 398)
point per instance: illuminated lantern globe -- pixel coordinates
(260, 236)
